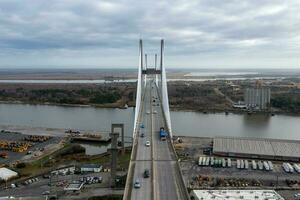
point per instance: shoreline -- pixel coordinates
(175, 109)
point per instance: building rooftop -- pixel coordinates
(6, 174)
(235, 194)
(91, 166)
(269, 147)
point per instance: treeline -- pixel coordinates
(290, 103)
(101, 95)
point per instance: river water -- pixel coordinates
(183, 123)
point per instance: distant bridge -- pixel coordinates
(152, 113)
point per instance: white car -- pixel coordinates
(148, 112)
(148, 144)
(154, 112)
(137, 184)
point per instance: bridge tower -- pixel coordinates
(161, 83)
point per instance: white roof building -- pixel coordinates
(6, 174)
(235, 195)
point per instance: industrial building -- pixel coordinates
(257, 98)
(257, 148)
(235, 194)
(6, 174)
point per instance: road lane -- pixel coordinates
(143, 158)
(159, 157)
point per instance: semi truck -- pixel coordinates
(162, 134)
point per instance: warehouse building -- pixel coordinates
(257, 148)
(6, 174)
(235, 194)
(91, 168)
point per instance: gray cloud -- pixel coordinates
(200, 33)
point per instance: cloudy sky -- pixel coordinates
(197, 33)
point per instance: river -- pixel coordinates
(183, 123)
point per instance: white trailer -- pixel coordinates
(290, 167)
(242, 164)
(286, 167)
(212, 161)
(246, 164)
(200, 161)
(228, 162)
(223, 162)
(260, 165)
(296, 167)
(207, 161)
(204, 161)
(254, 165)
(238, 164)
(266, 166)
(270, 165)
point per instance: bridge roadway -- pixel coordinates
(159, 157)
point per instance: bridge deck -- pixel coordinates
(159, 158)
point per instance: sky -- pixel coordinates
(105, 34)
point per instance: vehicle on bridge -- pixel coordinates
(137, 183)
(146, 173)
(162, 134)
(148, 144)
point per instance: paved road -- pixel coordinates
(159, 157)
(144, 157)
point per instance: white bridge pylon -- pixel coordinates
(161, 83)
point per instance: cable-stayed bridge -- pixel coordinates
(152, 113)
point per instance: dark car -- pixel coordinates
(142, 135)
(146, 173)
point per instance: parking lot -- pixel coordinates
(40, 185)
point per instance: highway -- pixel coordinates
(159, 157)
